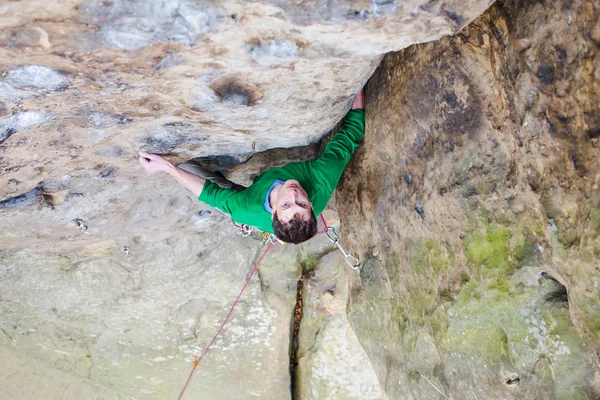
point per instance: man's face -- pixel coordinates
(292, 199)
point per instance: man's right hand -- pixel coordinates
(154, 163)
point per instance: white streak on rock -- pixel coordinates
(37, 77)
(24, 120)
(12, 94)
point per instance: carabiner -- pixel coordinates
(350, 259)
(335, 237)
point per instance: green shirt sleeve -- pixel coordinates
(329, 167)
(216, 196)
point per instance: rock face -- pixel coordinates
(110, 280)
(131, 319)
(475, 202)
(331, 362)
(193, 78)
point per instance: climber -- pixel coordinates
(284, 200)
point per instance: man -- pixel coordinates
(285, 200)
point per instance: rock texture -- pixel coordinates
(474, 203)
(130, 315)
(111, 279)
(195, 78)
(331, 363)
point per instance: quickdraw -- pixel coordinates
(350, 259)
(245, 230)
(270, 238)
(331, 234)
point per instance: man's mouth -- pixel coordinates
(293, 186)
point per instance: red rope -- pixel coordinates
(324, 225)
(198, 359)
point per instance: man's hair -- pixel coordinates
(296, 230)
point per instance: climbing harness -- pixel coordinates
(331, 234)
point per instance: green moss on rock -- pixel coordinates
(438, 323)
(422, 305)
(496, 251)
(589, 310)
(469, 291)
(489, 343)
(308, 261)
(464, 277)
(430, 254)
(491, 249)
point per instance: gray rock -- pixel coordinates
(117, 310)
(12, 94)
(331, 362)
(37, 77)
(23, 120)
(137, 24)
(478, 302)
(26, 200)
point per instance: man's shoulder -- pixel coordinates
(269, 176)
(247, 207)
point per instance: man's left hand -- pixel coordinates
(154, 163)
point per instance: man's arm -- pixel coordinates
(154, 163)
(329, 167)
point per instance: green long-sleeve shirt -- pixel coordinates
(319, 179)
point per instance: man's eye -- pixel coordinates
(302, 204)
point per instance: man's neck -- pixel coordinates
(274, 194)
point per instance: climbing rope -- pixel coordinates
(196, 360)
(331, 234)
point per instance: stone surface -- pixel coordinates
(114, 279)
(195, 79)
(331, 362)
(121, 313)
(474, 203)
(43, 381)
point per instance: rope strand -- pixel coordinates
(197, 360)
